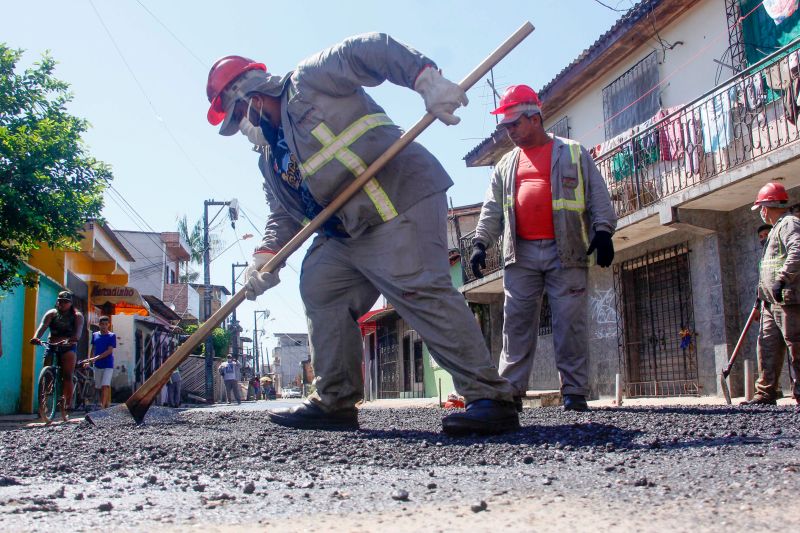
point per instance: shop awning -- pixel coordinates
(126, 300)
(368, 321)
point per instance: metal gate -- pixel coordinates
(389, 385)
(657, 346)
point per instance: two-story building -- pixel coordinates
(100, 260)
(688, 107)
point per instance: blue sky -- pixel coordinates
(148, 110)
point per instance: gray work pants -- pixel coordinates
(780, 331)
(536, 270)
(232, 391)
(174, 391)
(405, 259)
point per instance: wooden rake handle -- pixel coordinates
(141, 399)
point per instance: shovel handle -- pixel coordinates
(739, 343)
(141, 399)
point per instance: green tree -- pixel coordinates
(194, 238)
(49, 185)
(220, 339)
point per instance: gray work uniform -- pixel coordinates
(396, 227)
(780, 321)
(581, 206)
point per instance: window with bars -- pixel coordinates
(629, 100)
(560, 128)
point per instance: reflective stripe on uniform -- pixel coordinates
(578, 205)
(338, 147)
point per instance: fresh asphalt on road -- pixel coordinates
(227, 468)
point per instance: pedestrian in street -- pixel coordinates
(101, 355)
(316, 129)
(779, 292)
(174, 388)
(231, 372)
(550, 204)
(66, 328)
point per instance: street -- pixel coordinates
(686, 468)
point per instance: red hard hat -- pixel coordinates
(771, 195)
(222, 73)
(516, 100)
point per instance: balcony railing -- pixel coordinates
(494, 256)
(745, 118)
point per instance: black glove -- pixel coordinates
(605, 248)
(777, 290)
(478, 259)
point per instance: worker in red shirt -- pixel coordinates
(552, 206)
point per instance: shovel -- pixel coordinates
(723, 377)
(139, 402)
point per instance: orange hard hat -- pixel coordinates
(771, 195)
(516, 101)
(223, 72)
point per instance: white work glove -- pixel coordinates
(259, 282)
(442, 97)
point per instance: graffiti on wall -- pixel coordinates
(604, 314)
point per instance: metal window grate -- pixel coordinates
(560, 128)
(626, 100)
(545, 318)
(388, 361)
(735, 40)
(658, 349)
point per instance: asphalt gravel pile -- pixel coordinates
(214, 467)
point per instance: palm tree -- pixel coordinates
(194, 239)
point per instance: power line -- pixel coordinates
(200, 61)
(611, 8)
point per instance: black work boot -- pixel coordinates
(575, 402)
(309, 415)
(484, 417)
(518, 403)
(760, 399)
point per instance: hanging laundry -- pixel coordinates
(622, 163)
(751, 92)
(715, 116)
(780, 10)
(689, 134)
(790, 107)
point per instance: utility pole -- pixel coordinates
(256, 355)
(255, 337)
(234, 322)
(209, 346)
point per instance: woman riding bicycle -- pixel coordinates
(66, 326)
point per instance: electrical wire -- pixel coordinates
(199, 61)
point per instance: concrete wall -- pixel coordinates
(703, 31)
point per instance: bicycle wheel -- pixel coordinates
(48, 394)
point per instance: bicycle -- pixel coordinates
(83, 383)
(50, 394)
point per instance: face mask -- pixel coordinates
(253, 133)
(763, 213)
(260, 135)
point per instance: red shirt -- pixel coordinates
(533, 202)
